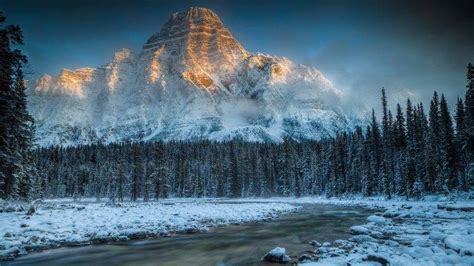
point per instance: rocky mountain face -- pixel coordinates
(192, 80)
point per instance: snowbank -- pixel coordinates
(57, 223)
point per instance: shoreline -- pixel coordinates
(23, 234)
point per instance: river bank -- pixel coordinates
(65, 222)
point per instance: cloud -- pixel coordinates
(410, 56)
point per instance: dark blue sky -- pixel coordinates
(410, 47)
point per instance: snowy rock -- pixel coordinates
(306, 258)
(314, 243)
(437, 236)
(359, 230)
(463, 244)
(378, 259)
(402, 240)
(391, 213)
(277, 255)
(377, 219)
(378, 235)
(420, 242)
(344, 244)
(391, 243)
(31, 210)
(362, 238)
(457, 207)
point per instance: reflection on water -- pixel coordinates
(230, 245)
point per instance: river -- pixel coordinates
(230, 245)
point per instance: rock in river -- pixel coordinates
(277, 255)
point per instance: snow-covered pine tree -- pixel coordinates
(285, 163)
(137, 171)
(16, 125)
(235, 186)
(386, 175)
(399, 135)
(376, 150)
(368, 185)
(433, 147)
(410, 160)
(391, 154)
(449, 154)
(461, 144)
(469, 110)
(420, 136)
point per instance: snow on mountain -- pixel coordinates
(192, 80)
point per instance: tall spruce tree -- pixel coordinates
(376, 150)
(461, 143)
(399, 129)
(469, 110)
(235, 184)
(410, 163)
(434, 146)
(386, 175)
(448, 149)
(16, 125)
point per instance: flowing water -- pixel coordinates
(229, 245)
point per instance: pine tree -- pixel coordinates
(368, 178)
(448, 149)
(433, 146)
(136, 174)
(16, 125)
(420, 138)
(376, 149)
(399, 146)
(410, 163)
(235, 191)
(386, 179)
(461, 143)
(469, 111)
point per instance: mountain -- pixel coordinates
(192, 80)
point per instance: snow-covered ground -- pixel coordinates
(433, 231)
(65, 222)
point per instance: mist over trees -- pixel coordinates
(16, 125)
(410, 153)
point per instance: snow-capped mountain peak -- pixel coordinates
(191, 80)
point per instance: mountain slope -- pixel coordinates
(192, 80)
